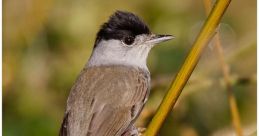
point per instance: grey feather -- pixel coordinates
(105, 101)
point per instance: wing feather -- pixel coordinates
(106, 100)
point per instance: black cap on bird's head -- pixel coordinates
(120, 24)
(124, 24)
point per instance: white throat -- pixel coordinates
(112, 52)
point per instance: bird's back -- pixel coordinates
(105, 101)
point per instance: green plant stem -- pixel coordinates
(205, 35)
(226, 74)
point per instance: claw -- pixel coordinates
(141, 130)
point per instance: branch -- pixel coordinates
(226, 74)
(205, 35)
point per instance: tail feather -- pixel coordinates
(64, 127)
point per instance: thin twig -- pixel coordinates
(205, 35)
(226, 73)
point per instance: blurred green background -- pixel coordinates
(47, 42)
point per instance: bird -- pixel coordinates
(113, 87)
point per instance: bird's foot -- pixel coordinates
(133, 131)
(141, 130)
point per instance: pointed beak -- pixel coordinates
(155, 39)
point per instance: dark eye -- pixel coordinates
(128, 40)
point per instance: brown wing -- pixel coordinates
(106, 100)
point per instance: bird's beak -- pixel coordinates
(155, 39)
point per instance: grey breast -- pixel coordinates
(105, 101)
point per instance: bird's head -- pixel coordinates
(124, 40)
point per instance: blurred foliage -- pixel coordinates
(47, 42)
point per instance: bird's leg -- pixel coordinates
(141, 130)
(131, 131)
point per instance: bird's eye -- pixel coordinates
(128, 40)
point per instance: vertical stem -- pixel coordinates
(205, 35)
(226, 73)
